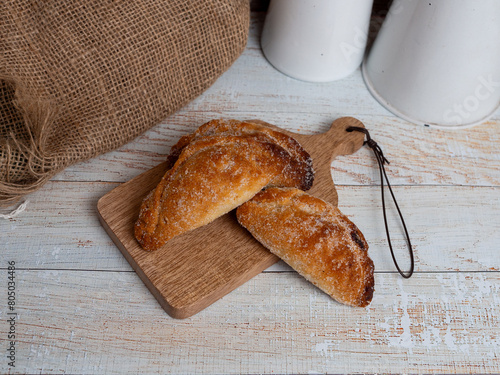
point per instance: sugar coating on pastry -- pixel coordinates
(315, 239)
(212, 175)
(220, 127)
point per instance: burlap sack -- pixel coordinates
(82, 77)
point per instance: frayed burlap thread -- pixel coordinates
(81, 78)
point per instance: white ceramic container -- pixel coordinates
(316, 40)
(437, 62)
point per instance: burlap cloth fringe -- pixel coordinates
(80, 78)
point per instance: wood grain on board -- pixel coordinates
(197, 268)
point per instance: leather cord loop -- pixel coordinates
(381, 160)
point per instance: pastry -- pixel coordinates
(315, 239)
(212, 175)
(239, 128)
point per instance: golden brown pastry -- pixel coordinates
(315, 239)
(239, 128)
(212, 175)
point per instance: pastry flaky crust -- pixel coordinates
(241, 128)
(212, 175)
(315, 239)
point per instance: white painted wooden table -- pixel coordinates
(82, 309)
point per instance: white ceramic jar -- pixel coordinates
(316, 40)
(437, 62)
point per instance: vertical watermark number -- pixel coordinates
(11, 313)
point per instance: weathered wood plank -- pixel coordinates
(418, 155)
(452, 228)
(423, 156)
(271, 91)
(108, 323)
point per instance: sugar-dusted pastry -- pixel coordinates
(239, 128)
(315, 239)
(213, 175)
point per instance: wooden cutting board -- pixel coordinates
(195, 269)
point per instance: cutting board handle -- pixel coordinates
(325, 147)
(337, 140)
